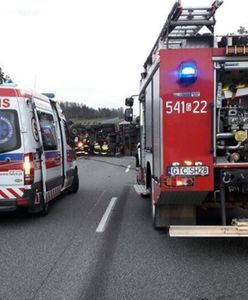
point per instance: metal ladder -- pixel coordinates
(182, 23)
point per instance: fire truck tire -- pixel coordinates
(75, 183)
(157, 221)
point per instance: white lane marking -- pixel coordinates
(105, 218)
(128, 168)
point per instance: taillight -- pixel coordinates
(28, 168)
(179, 181)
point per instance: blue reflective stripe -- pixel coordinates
(12, 156)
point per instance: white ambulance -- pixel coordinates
(37, 160)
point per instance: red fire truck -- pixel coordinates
(194, 123)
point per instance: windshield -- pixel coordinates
(9, 131)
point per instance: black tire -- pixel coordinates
(155, 216)
(22, 210)
(158, 221)
(75, 183)
(44, 208)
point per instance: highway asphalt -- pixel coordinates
(80, 252)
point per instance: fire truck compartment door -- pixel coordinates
(188, 115)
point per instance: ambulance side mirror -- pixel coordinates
(129, 114)
(129, 101)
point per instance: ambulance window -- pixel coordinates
(67, 134)
(48, 131)
(9, 131)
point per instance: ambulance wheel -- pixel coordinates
(44, 208)
(75, 183)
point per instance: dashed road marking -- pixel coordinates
(102, 225)
(128, 168)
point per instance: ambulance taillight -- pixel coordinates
(28, 167)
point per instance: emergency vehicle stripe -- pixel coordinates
(13, 192)
(15, 93)
(8, 92)
(11, 156)
(3, 195)
(52, 159)
(10, 193)
(5, 167)
(52, 164)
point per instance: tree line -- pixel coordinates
(74, 110)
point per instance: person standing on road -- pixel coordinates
(86, 142)
(104, 149)
(96, 148)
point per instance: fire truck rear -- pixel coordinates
(194, 124)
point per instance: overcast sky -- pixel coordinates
(89, 51)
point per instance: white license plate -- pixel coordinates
(188, 171)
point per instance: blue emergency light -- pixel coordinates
(187, 73)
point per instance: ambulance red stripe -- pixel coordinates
(52, 164)
(3, 195)
(13, 193)
(8, 93)
(5, 167)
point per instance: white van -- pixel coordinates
(37, 160)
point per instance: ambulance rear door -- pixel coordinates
(11, 148)
(51, 159)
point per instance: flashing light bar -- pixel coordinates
(49, 95)
(187, 73)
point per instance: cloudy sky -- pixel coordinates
(89, 51)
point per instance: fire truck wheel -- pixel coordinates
(157, 220)
(75, 183)
(155, 216)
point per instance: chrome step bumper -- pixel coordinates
(239, 228)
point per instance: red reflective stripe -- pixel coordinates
(8, 92)
(52, 164)
(13, 193)
(5, 167)
(3, 195)
(14, 93)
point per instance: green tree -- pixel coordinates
(242, 30)
(1, 76)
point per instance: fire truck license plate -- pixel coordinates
(188, 171)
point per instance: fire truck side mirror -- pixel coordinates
(129, 114)
(129, 101)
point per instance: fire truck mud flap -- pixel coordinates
(239, 228)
